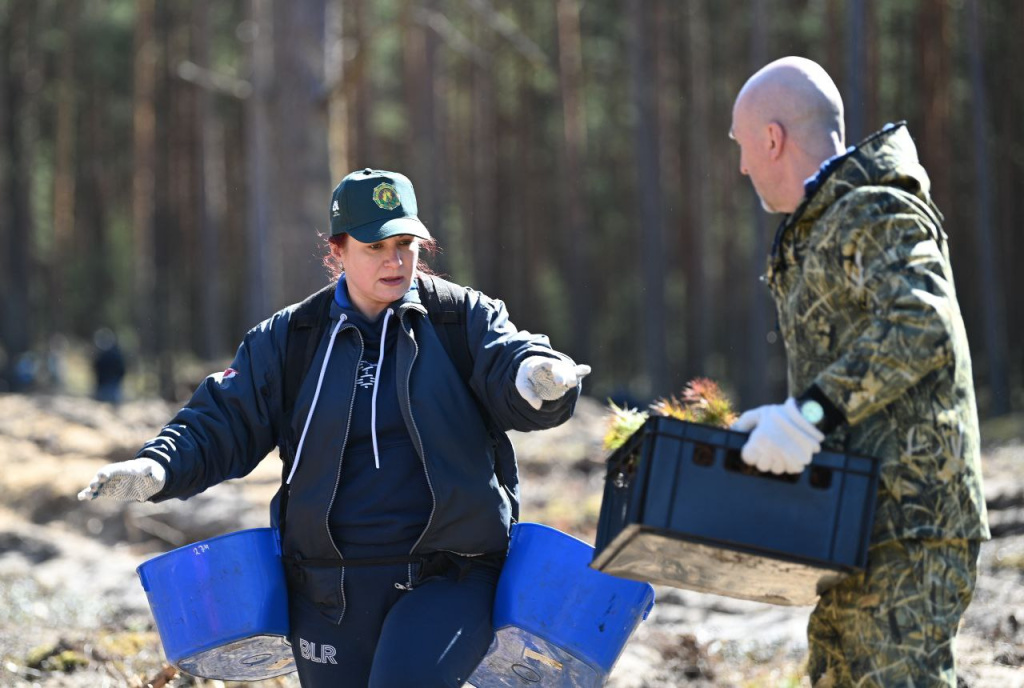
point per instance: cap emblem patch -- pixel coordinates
(386, 196)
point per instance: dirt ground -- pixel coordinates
(73, 614)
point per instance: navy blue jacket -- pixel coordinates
(234, 420)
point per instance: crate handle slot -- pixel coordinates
(820, 477)
(703, 454)
(734, 462)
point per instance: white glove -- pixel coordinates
(781, 440)
(542, 379)
(135, 480)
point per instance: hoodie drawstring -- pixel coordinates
(376, 384)
(316, 396)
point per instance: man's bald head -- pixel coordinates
(788, 119)
(800, 95)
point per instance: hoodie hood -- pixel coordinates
(886, 158)
(343, 302)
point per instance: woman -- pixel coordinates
(394, 523)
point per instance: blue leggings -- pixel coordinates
(432, 635)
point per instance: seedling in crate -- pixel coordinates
(702, 401)
(622, 423)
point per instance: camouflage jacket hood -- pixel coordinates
(887, 158)
(861, 278)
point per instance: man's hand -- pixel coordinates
(781, 440)
(135, 480)
(542, 379)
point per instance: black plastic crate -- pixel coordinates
(681, 508)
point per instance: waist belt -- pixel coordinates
(338, 562)
(432, 564)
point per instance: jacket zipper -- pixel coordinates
(419, 450)
(337, 478)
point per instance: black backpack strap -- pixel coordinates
(446, 307)
(306, 325)
(305, 328)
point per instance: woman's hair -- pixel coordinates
(335, 268)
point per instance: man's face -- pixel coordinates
(756, 160)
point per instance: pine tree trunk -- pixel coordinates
(258, 201)
(991, 283)
(649, 200)
(144, 174)
(574, 150)
(16, 233)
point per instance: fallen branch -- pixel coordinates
(166, 675)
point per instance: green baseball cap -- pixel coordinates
(371, 205)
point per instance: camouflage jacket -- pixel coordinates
(861, 278)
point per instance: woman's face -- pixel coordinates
(379, 273)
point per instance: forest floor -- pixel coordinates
(73, 614)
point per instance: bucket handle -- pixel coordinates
(650, 606)
(142, 579)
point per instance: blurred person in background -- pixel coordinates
(398, 494)
(56, 362)
(878, 365)
(108, 366)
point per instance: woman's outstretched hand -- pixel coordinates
(543, 379)
(135, 480)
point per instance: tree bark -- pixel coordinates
(574, 151)
(258, 289)
(300, 172)
(19, 139)
(991, 282)
(64, 168)
(166, 307)
(418, 63)
(935, 58)
(335, 75)
(362, 143)
(649, 195)
(700, 333)
(209, 151)
(856, 65)
(756, 376)
(182, 279)
(144, 173)
(481, 224)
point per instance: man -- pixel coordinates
(878, 365)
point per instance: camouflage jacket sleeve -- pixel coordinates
(896, 274)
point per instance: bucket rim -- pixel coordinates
(544, 527)
(223, 536)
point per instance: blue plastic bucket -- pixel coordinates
(221, 606)
(557, 621)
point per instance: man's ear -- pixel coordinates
(776, 140)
